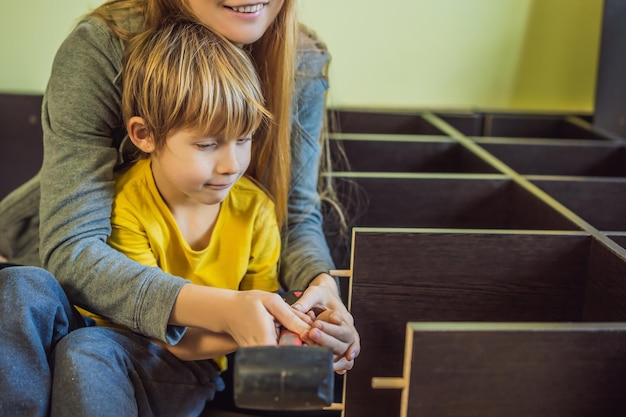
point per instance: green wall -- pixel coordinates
(496, 54)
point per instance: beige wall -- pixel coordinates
(499, 54)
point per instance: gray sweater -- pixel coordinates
(83, 142)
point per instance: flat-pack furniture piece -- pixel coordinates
(21, 153)
(488, 283)
(512, 369)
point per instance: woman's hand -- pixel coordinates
(333, 325)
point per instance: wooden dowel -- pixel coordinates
(388, 383)
(344, 273)
(334, 407)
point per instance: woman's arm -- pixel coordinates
(81, 120)
(305, 251)
(306, 258)
(82, 126)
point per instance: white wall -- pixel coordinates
(499, 54)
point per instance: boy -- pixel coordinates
(191, 104)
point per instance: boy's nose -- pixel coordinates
(228, 162)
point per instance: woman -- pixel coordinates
(84, 142)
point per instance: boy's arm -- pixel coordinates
(199, 344)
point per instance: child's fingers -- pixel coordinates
(296, 321)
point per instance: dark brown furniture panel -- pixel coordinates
(581, 158)
(394, 153)
(553, 126)
(523, 125)
(618, 237)
(377, 121)
(515, 369)
(477, 123)
(436, 201)
(21, 138)
(472, 276)
(463, 201)
(599, 201)
(605, 292)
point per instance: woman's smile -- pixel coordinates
(248, 9)
(240, 21)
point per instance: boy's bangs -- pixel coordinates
(192, 78)
(223, 94)
(228, 116)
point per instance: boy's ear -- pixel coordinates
(139, 135)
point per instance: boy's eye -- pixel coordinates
(243, 140)
(211, 145)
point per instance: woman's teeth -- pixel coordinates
(248, 9)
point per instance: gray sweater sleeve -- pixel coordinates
(82, 124)
(306, 253)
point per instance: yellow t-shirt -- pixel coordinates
(243, 251)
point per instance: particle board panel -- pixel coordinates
(436, 201)
(582, 158)
(22, 144)
(470, 123)
(448, 201)
(379, 121)
(599, 201)
(605, 292)
(423, 275)
(514, 369)
(553, 126)
(618, 237)
(405, 153)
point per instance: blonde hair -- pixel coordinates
(182, 75)
(274, 56)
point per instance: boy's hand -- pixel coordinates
(254, 314)
(248, 317)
